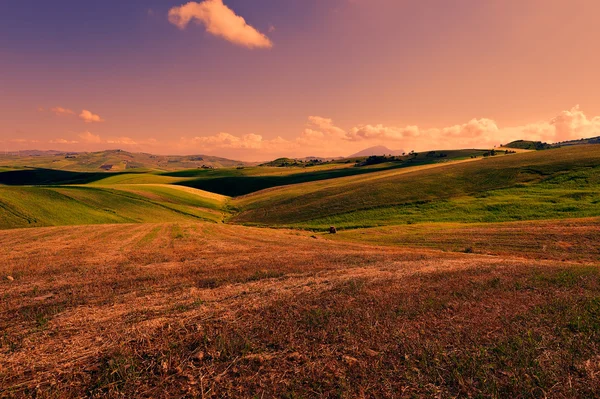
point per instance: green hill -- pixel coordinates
(76, 205)
(434, 186)
(528, 145)
(237, 182)
(563, 182)
(112, 160)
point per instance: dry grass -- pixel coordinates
(571, 239)
(202, 310)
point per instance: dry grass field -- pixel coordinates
(199, 310)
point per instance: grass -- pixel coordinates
(121, 161)
(176, 194)
(571, 239)
(50, 206)
(238, 182)
(221, 311)
(555, 184)
(482, 279)
(558, 183)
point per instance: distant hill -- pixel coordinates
(538, 145)
(112, 160)
(377, 150)
(591, 140)
(528, 145)
(280, 162)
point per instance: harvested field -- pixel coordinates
(206, 310)
(571, 239)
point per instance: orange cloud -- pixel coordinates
(90, 138)
(122, 140)
(370, 132)
(60, 111)
(89, 117)
(219, 20)
(62, 141)
(226, 140)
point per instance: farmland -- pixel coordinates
(460, 277)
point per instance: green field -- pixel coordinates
(77, 205)
(556, 183)
(430, 187)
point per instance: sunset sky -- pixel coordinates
(259, 79)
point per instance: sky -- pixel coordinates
(259, 79)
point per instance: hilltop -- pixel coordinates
(377, 150)
(527, 145)
(538, 145)
(111, 160)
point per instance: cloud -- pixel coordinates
(319, 130)
(89, 117)
(60, 111)
(369, 132)
(226, 140)
(23, 141)
(88, 137)
(219, 20)
(122, 140)
(321, 136)
(478, 132)
(62, 141)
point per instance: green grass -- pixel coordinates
(176, 195)
(424, 188)
(136, 178)
(238, 182)
(558, 183)
(37, 206)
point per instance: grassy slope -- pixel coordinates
(176, 194)
(557, 183)
(50, 206)
(121, 161)
(237, 182)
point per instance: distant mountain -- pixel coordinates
(377, 150)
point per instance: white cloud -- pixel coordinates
(89, 117)
(219, 20)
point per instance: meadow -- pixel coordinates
(455, 276)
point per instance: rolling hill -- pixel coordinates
(78, 205)
(563, 182)
(111, 160)
(436, 186)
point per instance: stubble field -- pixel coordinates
(207, 310)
